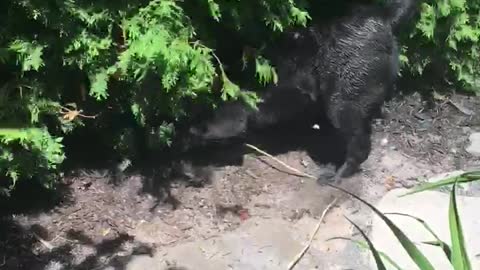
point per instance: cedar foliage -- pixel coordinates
(78, 64)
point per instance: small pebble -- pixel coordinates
(304, 163)
(474, 147)
(384, 142)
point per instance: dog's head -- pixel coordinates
(229, 120)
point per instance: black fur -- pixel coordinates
(340, 68)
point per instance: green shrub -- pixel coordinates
(444, 45)
(29, 152)
(141, 59)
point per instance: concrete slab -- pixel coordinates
(474, 147)
(258, 244)
(432, 207)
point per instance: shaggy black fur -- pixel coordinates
(340, 68)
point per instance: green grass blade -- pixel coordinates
(376, 256)
(445, 247)
(415, 254)
(363, 245)
(460, 259)
(462, 178)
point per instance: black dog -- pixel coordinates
(341, 69)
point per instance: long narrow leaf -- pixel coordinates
(445, 247)
(415, 254)
(376, 256)
(462, 178)
(460, 259)
(363, 245)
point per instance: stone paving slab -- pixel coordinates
(258, 244)
(432, 207)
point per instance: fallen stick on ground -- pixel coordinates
(297, 172)
(302, 253)
(45, 243)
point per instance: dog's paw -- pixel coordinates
(347, 170)
(327, 177)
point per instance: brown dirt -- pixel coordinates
(98, 224)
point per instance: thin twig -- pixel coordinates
(45, 243)
(302, 253)
(297, 172)
(251, 174)
(459, 107)
(74, 113)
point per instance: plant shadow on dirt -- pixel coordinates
(26, 244)
(22, 251)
